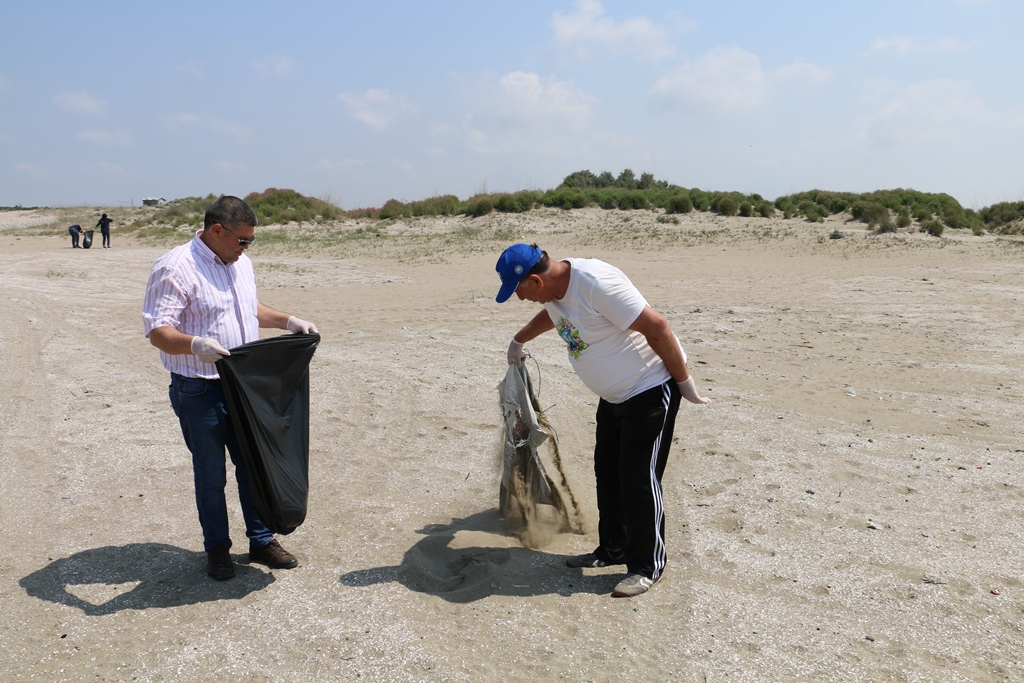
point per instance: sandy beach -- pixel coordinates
(848, 508)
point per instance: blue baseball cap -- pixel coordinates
(513, 265)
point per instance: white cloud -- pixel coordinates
(725, 80)
(802, 72)
(401, 164)
(80, 102)
(274, 67)
(229, 166)
(589, 30)
(524, 111)
(194, 69)
(108, 168)
(730, 80)
(238, 131)
(183, 119)
(33, 171)
(524, 98)
(934, 112)
(905, 45)
(334, 165)
(107, 138)
(376, 108)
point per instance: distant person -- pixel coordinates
(201, 301)
(75, 231)
(104, 225)
(626, 353)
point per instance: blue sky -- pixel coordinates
(103, 103)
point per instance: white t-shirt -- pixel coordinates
(593, 319)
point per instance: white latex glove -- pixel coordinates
(300, 326)
(515, 353)
(208, 349)
(689, 391)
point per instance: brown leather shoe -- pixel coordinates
(219, 564)
(273, 555)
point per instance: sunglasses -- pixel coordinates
(242, 241)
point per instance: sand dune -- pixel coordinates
(847, 509)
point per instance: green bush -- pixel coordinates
(838, 204)
(393, 209)
(178, 212)
(520, 202)
(869, 212)
(445, 205)
(580, 179)
(1003, 213)
(726, 206)
(701, 200)
(885, 224)
(627, 180)
(746, 209)
(679, 203)
(287, 206)
(933, 227)
(632, 200)
(477, 207)
(565, 198)
(955, 217)
(365, 212)
(270, 206)
(765, 209)
(814, 212)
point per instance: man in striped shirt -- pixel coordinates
(200, 301)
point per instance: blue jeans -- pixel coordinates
(206, 426)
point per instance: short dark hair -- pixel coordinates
(231, 212)
(541, 266)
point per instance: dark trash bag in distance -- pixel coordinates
(87, 242)
(266, 385)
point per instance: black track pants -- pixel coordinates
(633, 440)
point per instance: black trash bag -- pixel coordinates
(266, 386)
(87, 242)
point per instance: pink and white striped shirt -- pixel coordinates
(193, 291)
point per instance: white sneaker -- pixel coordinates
(632, 585)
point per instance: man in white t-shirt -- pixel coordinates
(626, 353)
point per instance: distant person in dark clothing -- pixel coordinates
(104, 225)
(75, 231)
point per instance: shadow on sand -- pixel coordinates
(476, 557)
(105, 580)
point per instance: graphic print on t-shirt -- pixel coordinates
(572, 337)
